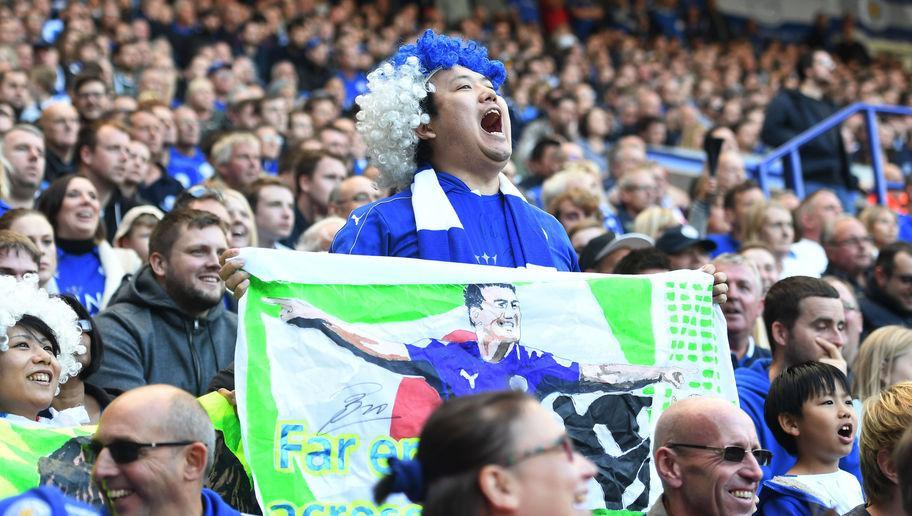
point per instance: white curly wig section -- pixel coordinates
(390, 113)
(18, 298)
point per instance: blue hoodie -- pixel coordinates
(753, 384)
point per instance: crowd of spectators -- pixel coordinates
(139, 143)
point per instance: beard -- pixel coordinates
(190, 297)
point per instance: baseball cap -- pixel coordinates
(681, 238)
(126, 224)
(603, 245)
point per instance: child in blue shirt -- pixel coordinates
(809, 410)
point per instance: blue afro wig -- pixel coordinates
(438, 51)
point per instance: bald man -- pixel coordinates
(60, 123)
(706, 454)
(156, 465)
(353, 192)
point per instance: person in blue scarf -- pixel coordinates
(440, 133)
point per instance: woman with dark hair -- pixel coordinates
(34, 225)
(88, 268)
(39, 343)
(77, 391)
(498, 453)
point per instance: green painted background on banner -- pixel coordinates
(625, 315)
(20, 449)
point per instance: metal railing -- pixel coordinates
(789, 150)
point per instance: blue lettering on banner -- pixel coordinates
(323, 454)
(356, 508)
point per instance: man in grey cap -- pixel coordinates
(603, 252)
(685, 248)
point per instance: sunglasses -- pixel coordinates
(562, 443)
(123, 452)
(731, 453)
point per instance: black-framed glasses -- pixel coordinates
(731, 453)
(562, 443)
(123, 452)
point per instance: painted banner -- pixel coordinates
(341, 359)
(32, 455)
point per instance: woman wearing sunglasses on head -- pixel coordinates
(38, 353)
(77, 391)
(499, 453)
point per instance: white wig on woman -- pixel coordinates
(19, 298)
(395, 104)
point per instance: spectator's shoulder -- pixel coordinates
(371, 228)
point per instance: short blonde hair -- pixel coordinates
(586, 201)
(320, 235)
(875, 359)
(885, 419)
(870, 214)
(561, 182)
(221, 151)
(654, 220)
(233, 196)
(756, 219)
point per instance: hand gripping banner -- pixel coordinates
(341, 359)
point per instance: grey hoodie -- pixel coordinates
(149, 339)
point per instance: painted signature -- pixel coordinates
(356, 406)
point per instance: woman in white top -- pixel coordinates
(39, 344)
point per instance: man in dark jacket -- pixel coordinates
(888, 299)
(824, 163)
(168, 325)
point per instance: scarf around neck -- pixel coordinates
(442, 237)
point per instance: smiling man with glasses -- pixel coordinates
(708, 457)
(144, 467)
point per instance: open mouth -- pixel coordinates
(116, 494)
(845, 431)
(209, 278)
(42, 378)
(85, 215)
(491, 122)
(742, 494)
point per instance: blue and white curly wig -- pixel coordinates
(19, 298)
(397, 100)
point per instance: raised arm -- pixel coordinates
(296, 312)
(624, 376)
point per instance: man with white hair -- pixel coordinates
(236, 158)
